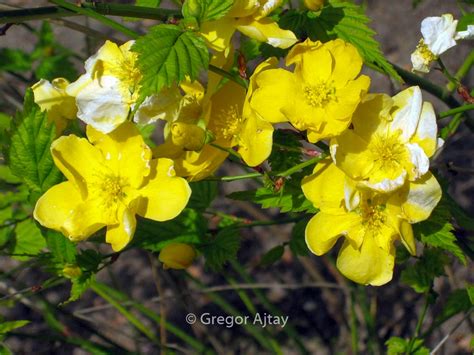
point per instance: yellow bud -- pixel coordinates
(177, 256)
(189, 136)
(314, 5)
(71, 271)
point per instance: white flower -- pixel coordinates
(439, 35)
(108, 91)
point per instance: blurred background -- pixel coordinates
(309, 290)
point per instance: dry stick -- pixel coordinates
(159, 290)
(440, 344)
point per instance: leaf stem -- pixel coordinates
(52, 12)
(456, 110)
(462, 71)
(419, 323)
(302, 165)
(97, 16)
(242, 82)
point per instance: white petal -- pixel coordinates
(102, 105)
(351, 195)
(420, 161)
(468, 34)
(164, 105)
(419, 62)
(438, 33)
(386, 185)
(409, 103)
(427, 130)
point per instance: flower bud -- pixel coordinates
(189, 136)
(177, 256)
(71, 271)
(314, 5)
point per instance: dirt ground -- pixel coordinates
(318, 314)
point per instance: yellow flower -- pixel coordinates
(390, 141)
(109, 89)
(321, 94)
(248, 17)
(230, 119)
(52, 98)
(177, 256)
(370, 222)
(110, 179)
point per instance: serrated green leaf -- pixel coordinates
(6, 327)
(89, 260)
(298, 243)
(250, 48)
(221, 248)
(80, 285)
(437, 232)
(7, 176)
(29, 155)
(420, 276)
(289, 199)
(203, 193)
(272, 256)
(14, 60)
(206, 10)
(189, 227)
(63, 251)
(347, 21)
(167, 55)
(399, 346)
(28, 240)
(286, 151)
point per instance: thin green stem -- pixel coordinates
(97, 16)
(462, 71)
(301, 166)
(235, 78)
(233, 178)
(228, 150)
(353, 325)
(456, 110)
(419, 324)
(52, 12)
(447, 74)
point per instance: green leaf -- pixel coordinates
(286, 151)
(6, 327)
(29, 155)
(250, 48)
(56, 66)
(288, 199)
(347, 21)
(14, 60)
(166, 55)
(399, 346)
(147, 131)
(466, 20)
(80, 285)
(298, 243)
(63, 251)
(28, 240)
(206, 10)
(189, 227)
(437, 232)
(420, 276)
(148, 3)
(458, 301)
(470, 293)
(7, 176)
(203, 193)
(221, 248)
(272, 256)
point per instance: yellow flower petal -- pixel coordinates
(323, 230)
(57, 205)
(266, 30)
(218, 33)
(325, 188)
(255, 144)
(119, 235)
(177, 256)
(408, 240)
(78, 160)
(296, 53)
(427, 130)
(349, 152)
(87, 218)
(347, 63)
(125, 151)
(273, 93)
(164, 195)
(372, 116)
(367, 265)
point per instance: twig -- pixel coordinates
(446, 337)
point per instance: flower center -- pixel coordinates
(319, 95)
(228, 123)
(372, 214)
(387, 150)
(126, 70)
(423, 50)
(112, 189)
